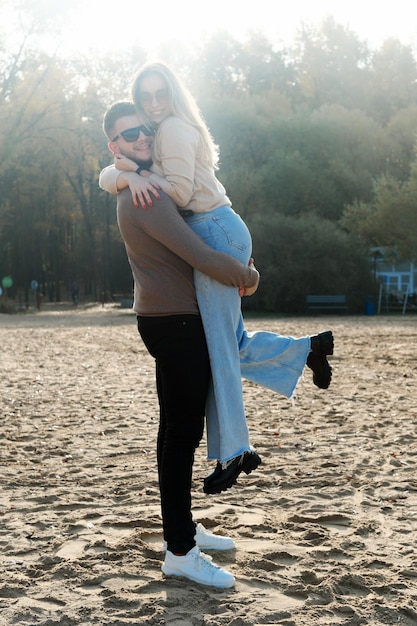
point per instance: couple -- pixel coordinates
(191, 322)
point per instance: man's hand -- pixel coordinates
(249, 291)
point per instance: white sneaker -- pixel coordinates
(198, 567)
(206, 540)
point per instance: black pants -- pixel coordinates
(178, 345)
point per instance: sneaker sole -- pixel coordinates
(207, 546)
(167, 572)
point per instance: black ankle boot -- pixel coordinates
(224, 478)
(321, 346)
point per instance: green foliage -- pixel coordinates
(393, 80)
(300, 163)
(52, 226)
(332, 66)
(401, 137)
(301, 256)
(390, 220)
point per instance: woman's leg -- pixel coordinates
(271, 360)
(227, 431)
(183, 372)
(268, 359)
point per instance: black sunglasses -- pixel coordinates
(132, 134)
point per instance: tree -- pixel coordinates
(401, 137)
(263, 69)
(215, 72)
(391, 218)
(53, 225)
(393, 80)
(301, 256)
(332, 66)
(297, 163)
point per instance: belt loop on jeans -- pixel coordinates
(186, 212)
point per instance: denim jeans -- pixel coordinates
(178, 345)
(268, 359)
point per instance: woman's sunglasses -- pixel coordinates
(132, 134)
(161, 96)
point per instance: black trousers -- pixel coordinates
(178, 345)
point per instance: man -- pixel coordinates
(162, 252)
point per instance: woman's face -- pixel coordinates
(154, 98)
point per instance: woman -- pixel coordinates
(184, 162)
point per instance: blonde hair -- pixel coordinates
(183, 105)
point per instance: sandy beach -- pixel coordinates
(325, 529)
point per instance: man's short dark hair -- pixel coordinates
(115, 112)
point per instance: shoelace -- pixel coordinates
(201, 530)
(204, 560)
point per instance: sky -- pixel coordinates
(109, 26)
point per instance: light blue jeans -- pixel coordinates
(266, 358)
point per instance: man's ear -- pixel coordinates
(112, 147)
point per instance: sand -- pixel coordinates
(325, 529)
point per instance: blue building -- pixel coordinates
(397, 278)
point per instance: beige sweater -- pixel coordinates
(179, 169)
(163, 251)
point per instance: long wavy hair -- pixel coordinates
(183, 105)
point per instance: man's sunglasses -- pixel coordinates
(132, 134)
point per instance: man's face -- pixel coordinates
(138, 150)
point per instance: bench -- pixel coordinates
(125, 300)
(126, 303)
(329, 303)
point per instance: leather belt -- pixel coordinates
(186, 212)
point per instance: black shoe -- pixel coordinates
(321, 345)
(222, 479)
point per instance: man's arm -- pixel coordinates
(164, 224)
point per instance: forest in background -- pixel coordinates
(318, 155)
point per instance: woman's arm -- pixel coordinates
(108, 179)
(114, 180)
(176, 147)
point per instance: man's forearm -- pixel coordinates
(163, 223)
